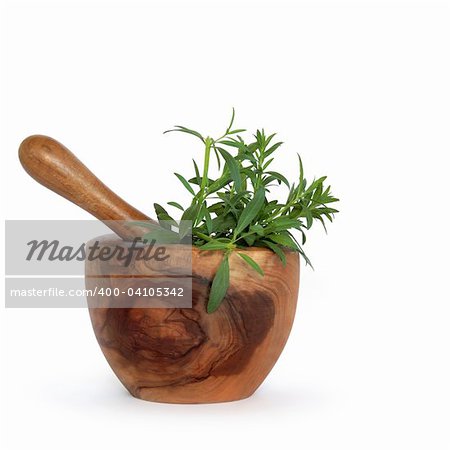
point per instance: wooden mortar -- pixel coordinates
(179, 355)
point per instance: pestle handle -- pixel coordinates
(57, 168)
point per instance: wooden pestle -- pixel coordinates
(57, 168)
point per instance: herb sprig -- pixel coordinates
(232, 211)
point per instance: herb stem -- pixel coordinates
(203, 236)
(208, 142)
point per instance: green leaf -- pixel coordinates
(250, 239)
(308, 262)
(219, 183)
(146, 224)
(223, 223)
(258, 229)
(283, 223)
(280, 177)
(267, 164)
(208, 221)
(231, 122)
(219, 285)
(162, 236)
(300, 170)
(231, 143)
(268, 140)
(309, 218)
(251, 262)
(215, 245)
(274, 147)
(251, 211)
(250, 174)
(185, 183)
(284, 239)
(163, 216)
(217, 156)
(277, 250)
(197, 173)
(176, 205)
(187, 219)
(186, 130)
(195, 181)
(233, 167)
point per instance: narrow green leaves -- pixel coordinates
(163, 216)
(162, 236)
(186, 130)
(215, 245)
(251, 211)
(231, 122)
(277, 250)
(185, 183)
(300, 163)
(233, 167)
(252, 263)
(283, 223)
(219, 285)
(197, 173)
(176, 205)
(280, 177)
(188, 219)
(284, 239)
(230, 210)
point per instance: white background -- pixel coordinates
(361, 90)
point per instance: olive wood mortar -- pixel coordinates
(179, 355)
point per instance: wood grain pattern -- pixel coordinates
(185, 355)
(58, 169)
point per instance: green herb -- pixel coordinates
(219, 285)
(251, 262)
(231, 210)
